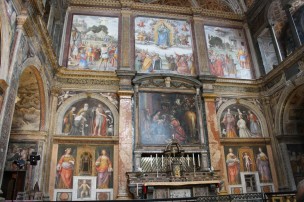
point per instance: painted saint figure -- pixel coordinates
(65, 169)
(263, 166)
(163, 36)
(254, 124)
(100, 122)
(104, 169)
(229, 122)
(233, 167)
(243, 130)
(68, 120)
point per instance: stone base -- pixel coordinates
(123, 196)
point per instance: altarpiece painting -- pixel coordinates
(166, 116)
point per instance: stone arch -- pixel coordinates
(35, 65)
(284, 97)
(79, 97)
(250, 106)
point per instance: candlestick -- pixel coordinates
(188, 159)
(198, 160)
(193, 159)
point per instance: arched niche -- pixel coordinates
(93, 101)
(244, 107)
(282, 103)
(30, 103)
(293, 122)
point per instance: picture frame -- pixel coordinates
(84, 188)
(236, 189)
(63, 194)
(104, 194)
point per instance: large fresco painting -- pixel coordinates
(166, 116)
(80, 165)
(163, 46)
(237, 121)
(247, 159)
(228, 52)
(27, 107)
(296, 157)
(93, 43)
(88, 117)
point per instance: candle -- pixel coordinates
(188, 159)
(136, 189)
(198, 160)
(162, 161)
(156, 160)
(193, 159)
(151, 160)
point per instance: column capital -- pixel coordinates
(209, 97)
(125, 93)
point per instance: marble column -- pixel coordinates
(213, 133)
(10, 96)
(294, 31)
(275, 43)
(125, 142)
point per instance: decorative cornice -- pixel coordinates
(57, 139)
(98, 3)
(241, 141)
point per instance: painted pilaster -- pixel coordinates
(275, 43)
(200, 44)
(125, 34)
(51, 18)
(10, 96)
(255, 64)
(48, 155)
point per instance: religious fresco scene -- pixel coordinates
(93, 43)
(27, 107)
(247, 160)
(228, 52)
(166, 116)
(267, 52)
(296, 158)
(238, 121)
(18, 155)
(83, 170)
(88, 117)
(163, 46)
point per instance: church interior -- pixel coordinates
(151, 99)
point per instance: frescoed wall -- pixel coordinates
(12, 15)
(166, 116)
(93, 43)
(296, 157)
(238, 121)
(84, 171)
(228, 52)
(244, 161)
(88, 117)
(267, 52)
(163, 46)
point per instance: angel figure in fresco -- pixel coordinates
(104, 169)
(65, 169)
(229, 122)
(233, 167)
